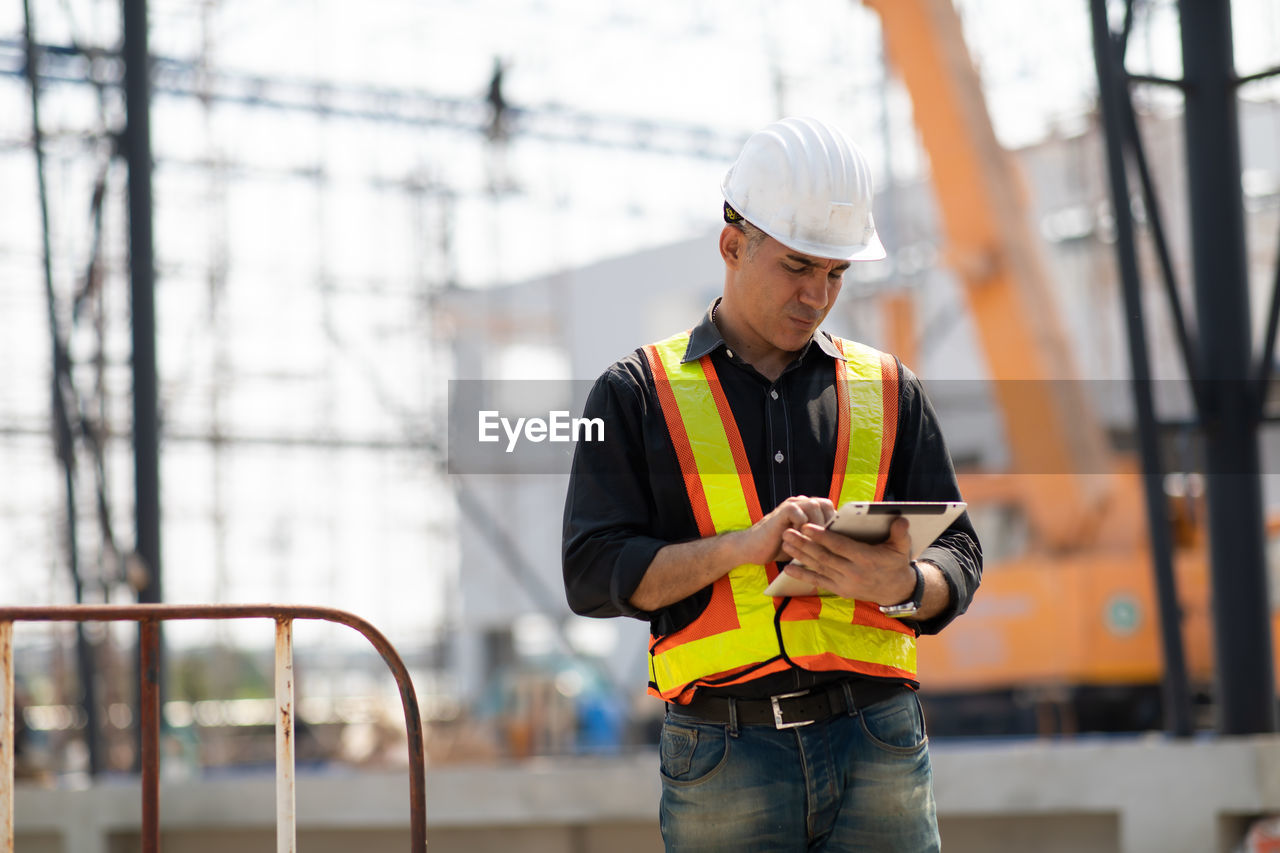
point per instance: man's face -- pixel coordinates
(783, 295)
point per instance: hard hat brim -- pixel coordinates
(871, 251)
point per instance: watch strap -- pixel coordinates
(912, 605)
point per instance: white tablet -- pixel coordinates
(868, 521)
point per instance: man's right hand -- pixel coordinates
(681, 569)
(762, 542)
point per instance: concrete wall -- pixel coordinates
(1121, 796)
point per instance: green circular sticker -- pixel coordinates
(1122, 614)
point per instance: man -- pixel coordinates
(792, 723)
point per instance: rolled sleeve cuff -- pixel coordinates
(954, 577)
(633, 561)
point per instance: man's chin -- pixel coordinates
(794, 339)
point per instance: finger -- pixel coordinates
(806, 574)
(814, 514)
(802, 553)
(900, 535)
(801, 547)
(797, 515)
(799, 509)
(820, 511)
(786, 516)
(821, 537)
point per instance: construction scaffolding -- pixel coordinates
(310, 209)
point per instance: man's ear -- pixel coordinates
(733, 246)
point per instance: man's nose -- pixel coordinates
(816, 291)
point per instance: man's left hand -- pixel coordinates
(878, 573)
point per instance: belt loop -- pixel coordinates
(733, 717)
(850, 707)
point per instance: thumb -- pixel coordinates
(900, 536)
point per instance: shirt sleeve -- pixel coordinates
(606, 545)
(921, 470)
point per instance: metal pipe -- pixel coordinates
(8, 752)
(1173, 294)
(1266, 359)
(136, 143)
(1261, 75)
(1157, 81)
(1241, 618)
(182, 78)
(160, 612)
(1126, 30)
(1177, 696)
(286, 814)
(137, 147)
(63, 397)
(149, 726)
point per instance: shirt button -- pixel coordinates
(774, 393)
(778, 457)
(729, 353)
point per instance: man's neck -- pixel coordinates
(768, 361)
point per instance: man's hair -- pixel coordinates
(753, 234)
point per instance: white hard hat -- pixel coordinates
(802, 182)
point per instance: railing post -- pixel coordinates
(149, 732)
(286, 824)
(148, 617)
(7, 752)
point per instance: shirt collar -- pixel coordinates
(705, 337)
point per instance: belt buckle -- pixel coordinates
(778, 722)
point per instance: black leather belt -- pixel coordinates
(791, 710)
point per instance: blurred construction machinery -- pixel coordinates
(1101, 622)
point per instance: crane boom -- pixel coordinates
(1057, 446)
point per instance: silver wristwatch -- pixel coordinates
(911, 606)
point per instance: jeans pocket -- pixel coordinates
(689, 753)
(896, 725)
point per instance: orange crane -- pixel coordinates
(1077, 609)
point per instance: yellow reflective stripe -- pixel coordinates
(753, 642)
(852, 642)
(754, 639)
(862, 470)
(707, 437)
(835, 633)
(866, 421)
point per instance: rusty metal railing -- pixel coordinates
(148, 617)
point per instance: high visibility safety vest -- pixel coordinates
(744, 634)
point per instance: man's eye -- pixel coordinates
(795, 270)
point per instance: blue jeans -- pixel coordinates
(855, 782)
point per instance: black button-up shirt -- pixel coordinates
(627, 498)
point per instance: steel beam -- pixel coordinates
(1112, 95)
(136, 145)
(1246, 700)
